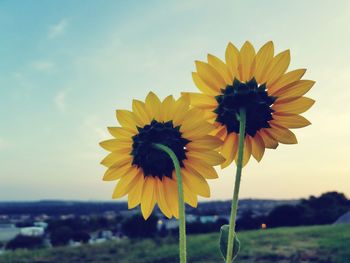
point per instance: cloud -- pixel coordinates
(60, 100)
(93, 123)
(58, 29)
(43, 66)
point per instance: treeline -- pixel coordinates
(57, 208)
(325, 209)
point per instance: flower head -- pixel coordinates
(260, 84)
(145, 173)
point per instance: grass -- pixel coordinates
(321, 244)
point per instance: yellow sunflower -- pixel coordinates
(259, 83)
(146, 174)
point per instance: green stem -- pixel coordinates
(182, 219)
(234, 206)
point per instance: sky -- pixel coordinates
(65, 66)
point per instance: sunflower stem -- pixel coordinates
(234, 205)
(182, 219)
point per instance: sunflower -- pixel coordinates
(146, 174)
(259, 83)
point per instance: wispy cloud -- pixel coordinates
(93, 124)
(43, 65)
(60, 100)
(58, 29)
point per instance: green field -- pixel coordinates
(299, 244)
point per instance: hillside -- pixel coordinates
(328, 244)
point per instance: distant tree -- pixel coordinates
(198, 227)
(26, 223)
(74, 223)
(248, 221)
(61, 236)
(221, 221)
(324, 209)
(81, 236)
(286, 215)
(163, 232)
(136, 226)
(98, 223)
(21, 241)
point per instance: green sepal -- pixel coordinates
(223, 242)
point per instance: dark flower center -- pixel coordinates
(155, 162)
(250, 96)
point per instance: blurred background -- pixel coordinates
(65, 66)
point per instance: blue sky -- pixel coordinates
(65, 66)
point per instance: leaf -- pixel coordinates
(223, 242)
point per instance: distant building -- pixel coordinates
(208, 219)
(8, 232)
(33, 231)
(110, 215)
(344, 219)
(69, 216)
(191, 218)
(107, 234)
(171, 224)
(41, 224)
(42, 217)
(97, 241)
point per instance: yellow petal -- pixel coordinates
(296, 106)
(161, 199)
(262, 60)
(179, 110)
(116, 144)
(232, 60)
(201, 101)
(171, 195)
(128, 120)
(202, 128)
(277, 67)
(201, 168)
(153, 105)
(229, 149)
(286, 79)
(126, 183)
(220, 67)
(135, 193)
(258, 147)
(121, 133)
(269, 142)
(202, 86)
(209, 116)
(116, 160)
(296, 89)
(116, 173)
(192, 119)
(281, 134)
(246, 59)
(195, 183)
(211, 157)
(210, 76)
(148, 199)
(189, 197)
(291, 120)
(206, 142)
(220, 132)
(166, 108)
(139, 109)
